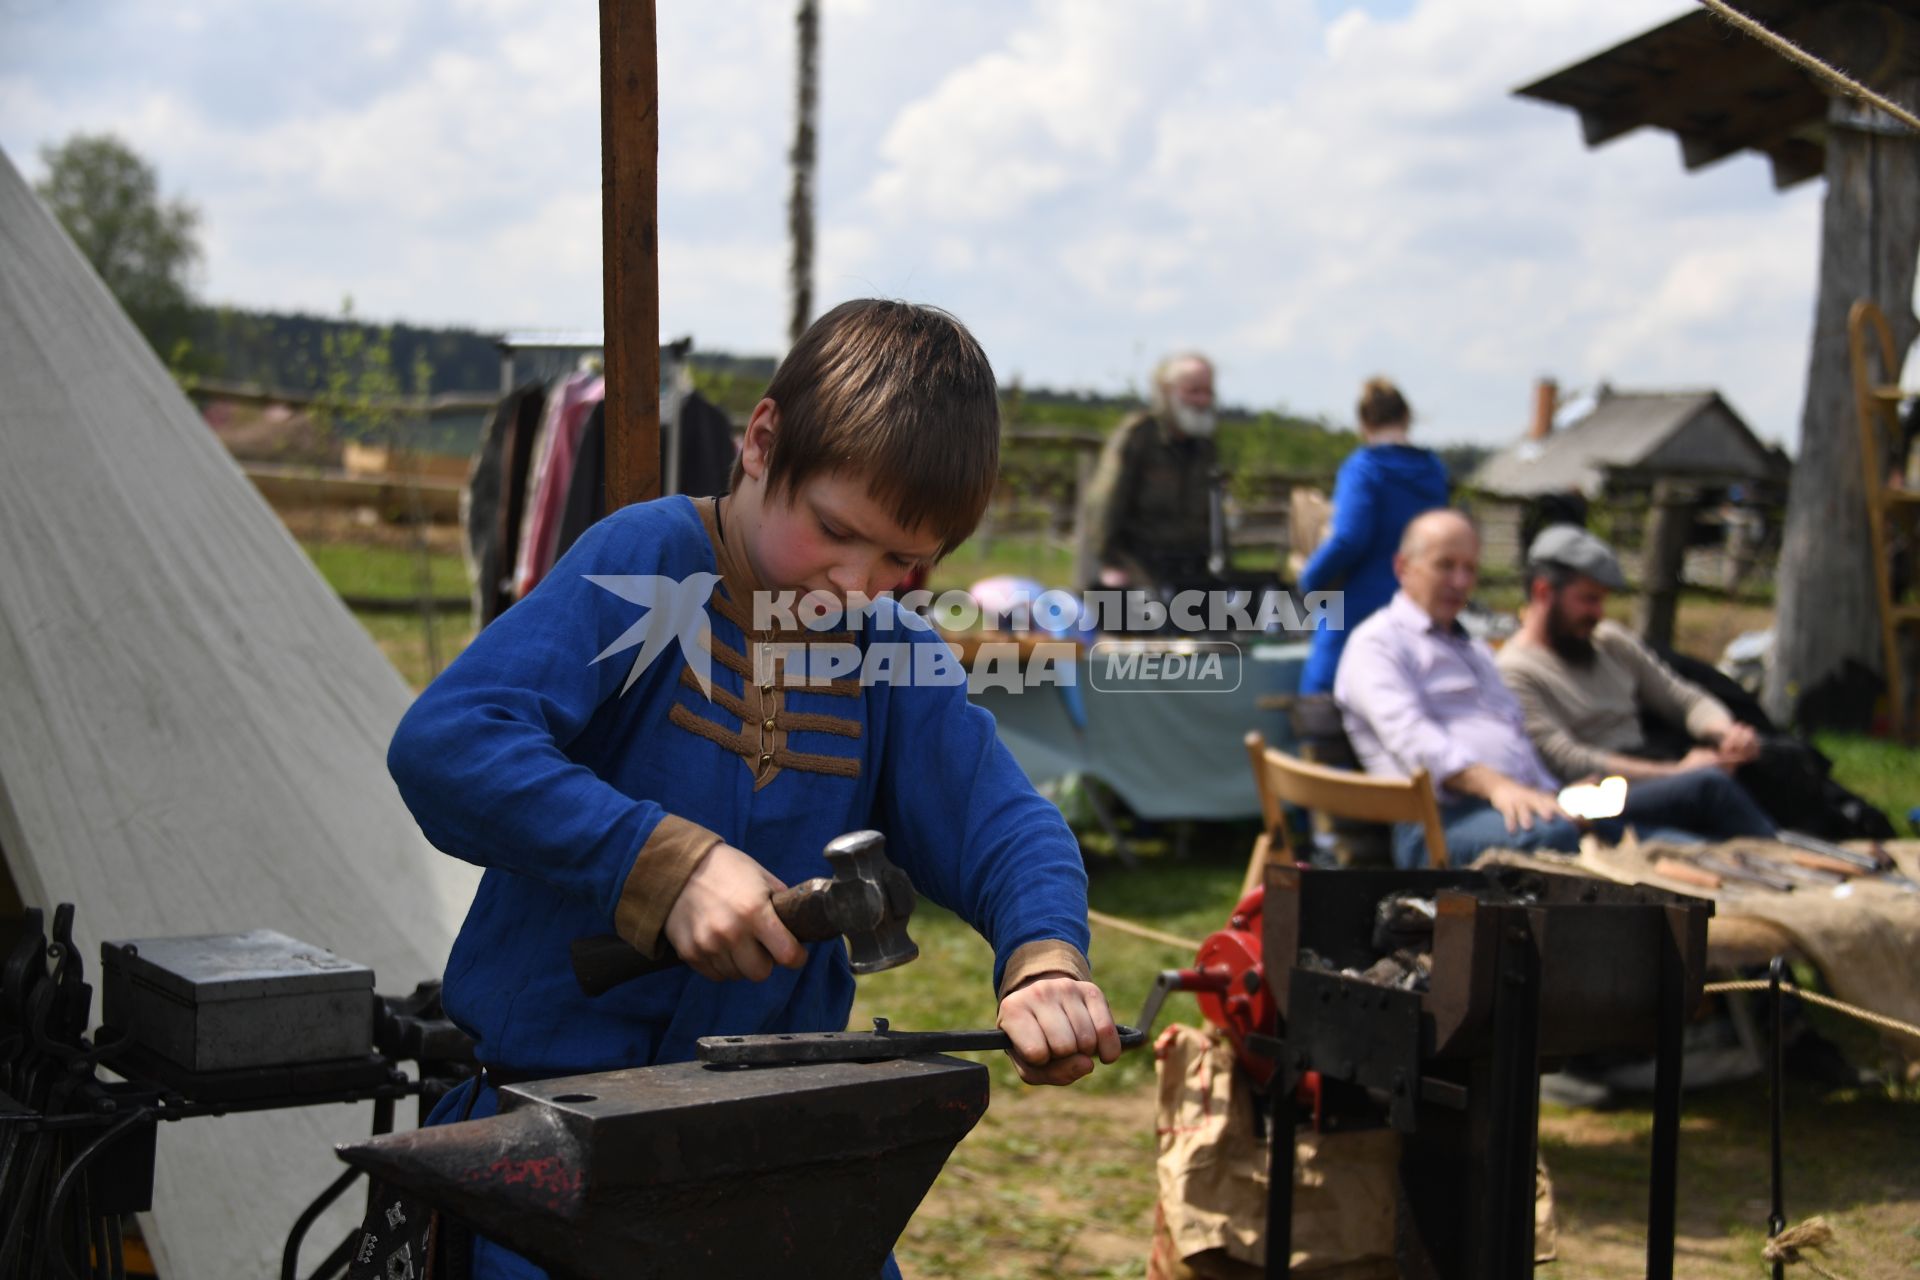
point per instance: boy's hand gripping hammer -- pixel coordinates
(866, 898)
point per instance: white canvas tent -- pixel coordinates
(192, 727)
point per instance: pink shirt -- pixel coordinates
(554, 456)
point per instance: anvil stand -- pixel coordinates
(1469, 1129)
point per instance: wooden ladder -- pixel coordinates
(1890, 506)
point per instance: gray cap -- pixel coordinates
(1580, 551)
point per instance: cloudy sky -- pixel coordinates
(1312, 190)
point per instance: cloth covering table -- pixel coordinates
(1170, 748)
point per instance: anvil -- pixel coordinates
(696, 1171)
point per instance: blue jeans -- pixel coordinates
(1702, 804)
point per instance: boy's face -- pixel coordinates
(828, 534)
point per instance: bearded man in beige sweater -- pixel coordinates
(1583, 681)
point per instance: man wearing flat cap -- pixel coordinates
(1417, 692)
(1584, 681)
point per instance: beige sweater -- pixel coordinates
(1576, 716)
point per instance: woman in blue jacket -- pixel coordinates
(1380, 488)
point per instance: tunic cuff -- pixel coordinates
(653, 885)
(1049, 955)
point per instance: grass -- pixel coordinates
(1881, 771)
(385, 571)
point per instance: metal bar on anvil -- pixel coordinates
(697, 1171)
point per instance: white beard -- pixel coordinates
(1192, 421)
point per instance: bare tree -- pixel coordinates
(806, 91)
(1828, 612)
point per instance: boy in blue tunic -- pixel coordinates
(633, 748)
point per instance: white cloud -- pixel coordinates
(1087, 182)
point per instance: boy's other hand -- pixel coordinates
(1058, 1025)
(723, 923)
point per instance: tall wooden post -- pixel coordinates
(629, 230)
(806, 109)
(1663, 553)
(1870, 233)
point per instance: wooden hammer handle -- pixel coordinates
(1820, 862)
(606, 961)
(1686, 873)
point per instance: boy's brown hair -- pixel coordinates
(897, 392)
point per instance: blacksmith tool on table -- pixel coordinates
(1825, 855)
(882, 1044)
(867, 899)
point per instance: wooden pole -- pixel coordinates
(629, 230)
(1829, 614)
(1663, 554)
(806, 106)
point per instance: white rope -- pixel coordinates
(1141, 931)
(1825, 71)
(1800, 993)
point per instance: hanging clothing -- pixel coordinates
(707, 450)
(706, 463)
(566, 416)
(587, 490)
(496, 495)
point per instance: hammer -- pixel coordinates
(866, 898)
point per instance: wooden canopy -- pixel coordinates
(1720, 92)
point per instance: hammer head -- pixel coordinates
(886, 895)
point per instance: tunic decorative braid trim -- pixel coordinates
(817, 722)
(734, 661)
(729, 657)
(768, 754)
(717, 694)
(807, 762)
(732, 740)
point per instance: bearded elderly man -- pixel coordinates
(1149, 504)
(1583, 680)
(1417, 692)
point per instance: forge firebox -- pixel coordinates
(1434, 996)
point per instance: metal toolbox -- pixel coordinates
(227, 1002)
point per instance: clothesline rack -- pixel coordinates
(540, 355)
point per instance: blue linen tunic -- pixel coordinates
(526, 758)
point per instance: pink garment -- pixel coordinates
(555, 452)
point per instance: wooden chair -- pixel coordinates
(1282, 779)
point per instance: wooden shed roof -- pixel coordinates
(1634, 431)
(1720, 92)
